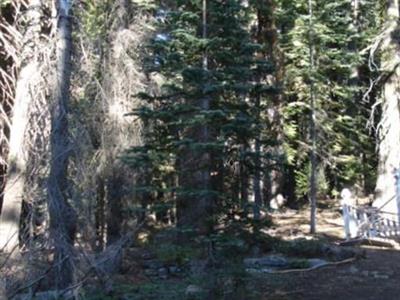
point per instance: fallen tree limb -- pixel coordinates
(378, 242)
(327, 264)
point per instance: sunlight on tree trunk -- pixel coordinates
(18, 157)
(389, 125)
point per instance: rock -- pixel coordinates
(266, 261)
(254, 271)
(174, 270)
(193, 290)
(163, 273)
(198, 266)
(316, 262)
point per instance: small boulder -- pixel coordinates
(193, 290)
(163, 273)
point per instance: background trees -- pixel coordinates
(338, 77)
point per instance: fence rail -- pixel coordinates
(369, 222)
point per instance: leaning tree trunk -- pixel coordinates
(62, 215)
(389, 132)
(18, 157)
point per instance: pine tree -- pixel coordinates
(209, 110)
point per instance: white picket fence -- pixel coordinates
(369, 222)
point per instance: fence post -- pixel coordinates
(346, 219)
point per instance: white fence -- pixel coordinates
(369, 222)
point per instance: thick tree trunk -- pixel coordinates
(268, 35)
(62, 215)
(18, 156)
(389, 129)
(195, 205)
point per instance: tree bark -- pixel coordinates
(268, 36)
(257, 171)
(389, 129)
(18, 157)
(244, 180)
(62, 215)
(313, 133)
(195, 205)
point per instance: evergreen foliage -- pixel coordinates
(176, 119)
(341, 114)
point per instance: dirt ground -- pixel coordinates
(375, 277)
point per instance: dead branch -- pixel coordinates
(327, 264)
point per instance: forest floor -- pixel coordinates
(161, 270)
(376, 276)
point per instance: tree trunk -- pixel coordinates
(389, 133)
(194, 207)
(244, 180)
(257, 172)
(268, 36)
(313, 133)
(100, 222)
(18, 156)
(62, 215)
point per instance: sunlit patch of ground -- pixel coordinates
(290, 224)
